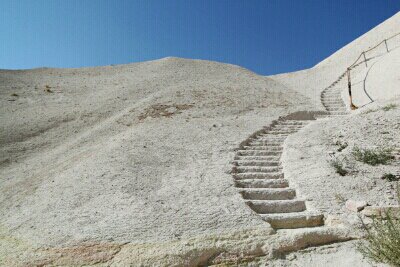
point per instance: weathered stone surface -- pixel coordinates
(355, 205)
(374, 211)
(333, 220)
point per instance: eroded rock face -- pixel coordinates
(355, 205)
(334, 221)
(382, 211)
(85, 254)
(127, 154)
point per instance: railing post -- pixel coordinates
(387, 49)
(349, 84)
(355, 64)
(352, 106)
(365, 59)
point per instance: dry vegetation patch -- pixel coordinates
(389, 107)
(373, 156)
(383, 238)
(164, 110)
(339, 166)
(390, 177)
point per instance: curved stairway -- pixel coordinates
(332, 101)
(259, 176)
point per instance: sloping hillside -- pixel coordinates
(131, 153)
(131, 164)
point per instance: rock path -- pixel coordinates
(259, 176)
(332, 101)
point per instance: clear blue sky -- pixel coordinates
(269, 36)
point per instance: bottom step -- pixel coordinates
(294, 220)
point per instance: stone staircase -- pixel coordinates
(331, 98)
(260, 179)
(333, 102)
(258, 172)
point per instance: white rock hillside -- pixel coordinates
(179, 162)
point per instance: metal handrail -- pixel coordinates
(352, 106)
(363, 53)
(356, 64)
